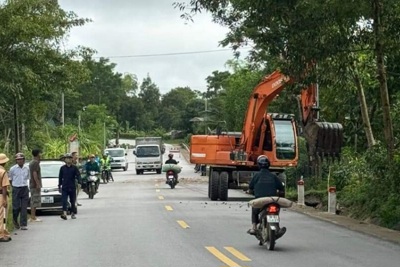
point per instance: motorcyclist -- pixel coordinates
(264, 184)
(105, 164)
(170, 160)
(92, 165)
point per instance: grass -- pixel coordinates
(10, 225)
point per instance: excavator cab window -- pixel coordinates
(285, 140)
(267, 145)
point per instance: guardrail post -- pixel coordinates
(332, 199)
(300, 192)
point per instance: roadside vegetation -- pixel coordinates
(354, 43)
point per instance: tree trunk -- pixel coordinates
(381, 70)
(364, 109)
(23, 136)
(16, 128)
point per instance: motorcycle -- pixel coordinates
(268, 229)
(106, 176)
(90, 185)
(172, 178)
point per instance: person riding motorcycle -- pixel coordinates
(105, 164)
(92, 165)
(264, 184)
(170, 160)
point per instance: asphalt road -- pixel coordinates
(139, 221)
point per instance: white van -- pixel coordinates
(119, 160)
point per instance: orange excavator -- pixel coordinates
(232, 156)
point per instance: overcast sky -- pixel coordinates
(142, 27)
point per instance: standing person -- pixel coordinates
(19, 177)
(35, 184)
(4, 183)
(69, 173)
(75, 162)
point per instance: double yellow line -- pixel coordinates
(222, 257)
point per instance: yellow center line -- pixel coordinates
(218, 254)
(157, 190)
(183, 224)
(160, 197)
(169, 208)
(237, 254)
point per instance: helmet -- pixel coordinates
(263, 162)
(19, 156)
(92, 156)
(170, 156)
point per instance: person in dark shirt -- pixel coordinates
(170, 160)
(69, 173)
(264, 184)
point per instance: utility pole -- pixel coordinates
(16, 127)
(205, 117)
(104, 133)
(62, 108)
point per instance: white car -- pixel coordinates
(119, 160)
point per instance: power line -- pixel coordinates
(170, 54)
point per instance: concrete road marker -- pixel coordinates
(169, 208)
(160, 197)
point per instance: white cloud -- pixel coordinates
(123, 27)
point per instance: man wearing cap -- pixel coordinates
(19, 177)
(75, 162)
(4, 183)
(35, 184)
(69, 174)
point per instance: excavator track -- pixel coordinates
(324, 140)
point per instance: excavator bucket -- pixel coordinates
(324, 139)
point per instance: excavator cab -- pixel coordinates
(277, 139)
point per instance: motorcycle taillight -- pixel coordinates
(273, 209)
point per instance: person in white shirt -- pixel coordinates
(19, 177)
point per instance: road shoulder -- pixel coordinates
(350, 223)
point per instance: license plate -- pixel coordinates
(170, 176)
(273, 218)
(47, 200)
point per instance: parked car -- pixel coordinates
(51, 198)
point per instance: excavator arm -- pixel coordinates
(273, 135)
(324, 139)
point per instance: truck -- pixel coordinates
(149, 154)
(232, 157)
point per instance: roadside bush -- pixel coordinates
(370, 186)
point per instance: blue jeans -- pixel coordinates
(71, 193)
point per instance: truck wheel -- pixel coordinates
(137, 172)
(223, 186)
(158, 171)
(209, 183)
(124, 169)
(214, 185)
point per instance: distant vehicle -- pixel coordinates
(148, 152)
(50, 197)
(119, 160)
